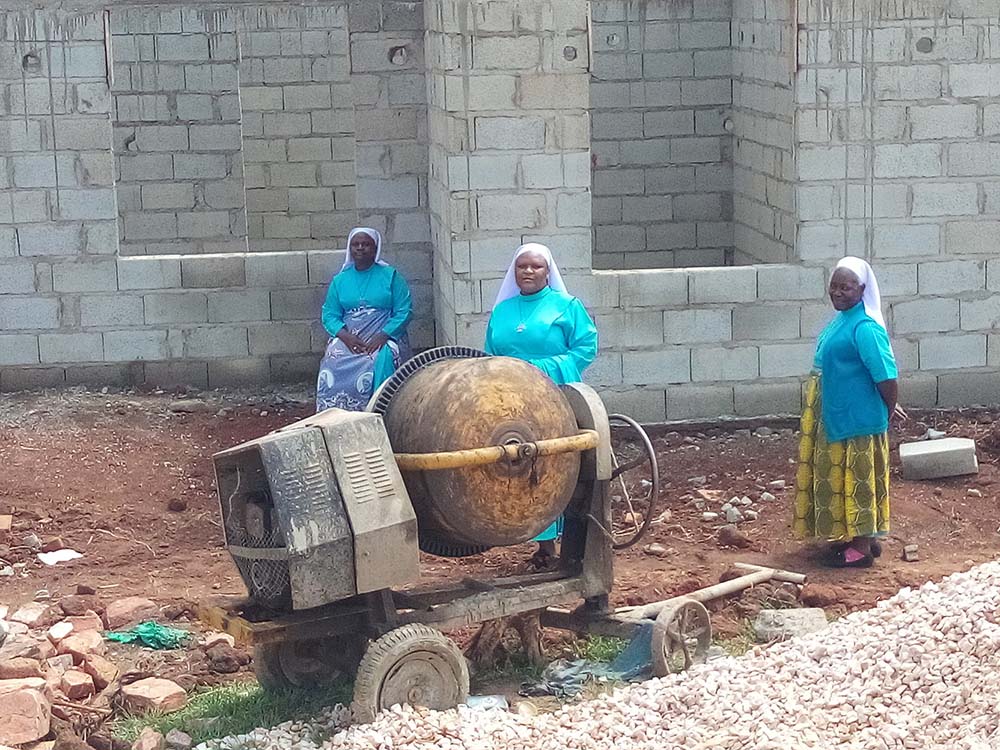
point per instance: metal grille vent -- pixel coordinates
(368, 475)
(380, 404)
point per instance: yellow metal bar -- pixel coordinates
(584, 440)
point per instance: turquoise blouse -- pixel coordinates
(853, 354)
(549, 329)
(379, 286)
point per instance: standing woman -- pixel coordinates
(535, 319)
(842, 484)
(366, 312)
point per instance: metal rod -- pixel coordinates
(585, 440)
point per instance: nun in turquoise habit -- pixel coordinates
(535, 319)
(366, 313)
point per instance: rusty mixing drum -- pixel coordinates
(458, 404)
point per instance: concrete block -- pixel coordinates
(943, 121)
(32, 378)
(202, 224)
(907, 82)
(398, 192)
(277, 226)
(300, 368)
(150, 226)
(768, 399)
(17, 279)
(574, 210)
(951, 277)
(480, 93)
(200, 166)
(697, 326)
(279, 338)
(925, 315)
(307, 97)
(488, 172)
(646, 405)
(953, 352)
(236, 372)
(276, 270)
(509, 133)
(908, 160)
(661, 367)
(737, 284)
(724, 363)
(541, 171)
(695, 150)
(96, 276)
(790, 283)
(18, 349)
(706, 92)
(570, 90)
(175, 307)
(167, 195)
(212, 272)
(605, 371)
(619, 182)
(171, 138)
(898, 279)
(974, 79)
(239, 306)
(310, 149)
(173, 374)
(100, 311)
(763, 322)
(293, 175)
(34, 170)
(510, 211)
(945, 199)
(783, 624)
(310, 199)
(213, 342)
(973, 159)
(83, 133)
(970, 237)
(196, 107)
(668, 64)
(699, 402)
(980, 314)
(297, 304)
(786, 360)
(70, 347)
(506, 53)
(896, 240)
(148, 273)
(936, 459)
(146, 167)
(668, 123)
(642, 210)
(215, 137)
(49, 239)
(659, 288)
(673, 236)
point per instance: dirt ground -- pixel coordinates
(126, 479)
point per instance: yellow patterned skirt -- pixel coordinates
(841, 488)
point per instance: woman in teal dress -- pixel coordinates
(366, 312)
(535, 319)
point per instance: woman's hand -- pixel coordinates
(899, 414)
(351, 341)
(376, 342)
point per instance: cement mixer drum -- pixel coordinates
(457, 404)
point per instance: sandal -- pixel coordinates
(876, 548)
(850, 558)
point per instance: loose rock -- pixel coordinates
(82, 645)
(177, 505)
(730, 536)
(102, 671)
(25, 717)
(153, 694)
(130, 611)
(767, 497)
(734, 515)
(777, 484)
(19, 668)
(781, 624)
(178, 740)
(656, 550)
(76, 605)
(821, 595)
(225, 659)
(34, 615)
(76, 684)
(911, 553)
(149, 739)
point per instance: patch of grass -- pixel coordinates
(741, 643)
(600, 648)
(235, 708)
(515, 668)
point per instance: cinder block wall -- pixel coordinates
(175, 216)
(661, 91)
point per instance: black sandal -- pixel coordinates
(876, 548)
(839, 560)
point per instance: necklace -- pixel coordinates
(521, 324)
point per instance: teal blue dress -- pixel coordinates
(365, 302)
(551, 330)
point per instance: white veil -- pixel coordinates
(374, 234)
(509, 286)
(871, 297)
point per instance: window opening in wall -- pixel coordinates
(691, 135)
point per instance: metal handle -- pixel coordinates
(584, 440)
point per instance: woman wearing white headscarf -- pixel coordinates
(842, 485)
(535, 319)
(366, 312)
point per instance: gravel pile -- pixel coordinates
(918, 671)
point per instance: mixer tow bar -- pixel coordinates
(585, 440)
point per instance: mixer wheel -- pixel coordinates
(413, 664)
(682, 635)
(305, 663)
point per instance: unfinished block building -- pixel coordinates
(176, 178)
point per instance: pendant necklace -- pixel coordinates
(364, 290)
(520, 308)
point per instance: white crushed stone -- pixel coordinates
(919, 671)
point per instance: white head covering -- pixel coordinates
(374, 234)
(870, 297)
(509, 286)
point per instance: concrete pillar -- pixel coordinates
(509, 146)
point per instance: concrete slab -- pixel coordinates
(934, 459)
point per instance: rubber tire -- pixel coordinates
(388, 652)
(272, 673)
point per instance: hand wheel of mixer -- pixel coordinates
(682, 635)
(412, 664)
(635, 484)
(306, 663)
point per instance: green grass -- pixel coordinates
(739, 644)
(235, 708)
(600, 648)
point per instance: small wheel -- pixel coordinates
(631, 513)
(682, 635)
(305, 663)
(412, 664)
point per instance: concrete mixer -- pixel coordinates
(457, 452)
